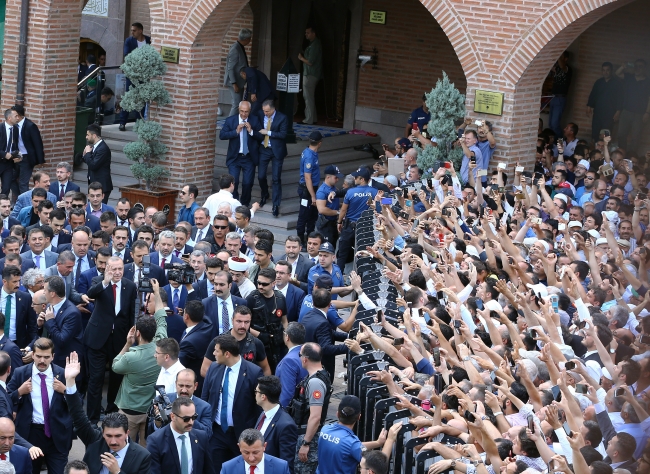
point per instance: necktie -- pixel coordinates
(15, 137)
(176, 299)
(10, 141)
(266, 138)
(178, 252)
(76, 275)
(225, 319)
(261, 423)
(45, 400)
(184, 334)
(224, 401)
(3, 457)
(185, 468)
(162, 264)
(117, 254)
(8, 314)
(199, 236)
(38, 261)
(62, 192)
(244, 139)
(252, 470)
(114, 292)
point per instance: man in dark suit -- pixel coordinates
(279, 430)
(258, 88)
(273, 148)
(42, 416)
(21, 325)
(7, 404)
(292, 293)
(62, 321)
(62, 184)
(19, 455)
(165, 254)
(97, 156)
(290, 370)
(30, 145)
(222, 298)
(236, 379)
(201, 230)
(133, 270)
(5, 213)
(9, 141)
(105, 335)
(85, 281)
(192, 454)
(113, 437)
(251, 446)
(195, 339)
(63, 268)
(300, 264)
(10, 348)
(205, 288)
(243, 149)
(133, 42)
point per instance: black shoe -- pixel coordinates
(122, 127)
(276, 211)
(263, 200)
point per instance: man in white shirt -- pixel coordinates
(226, 186)
(166, 355)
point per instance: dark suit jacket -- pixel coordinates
(272, 465)
(55, 187)
(154, 272)
(290, 372)
(257, 83)
(182, 299)
(229, 132)
(66, 330)
(127, 255)
(277, 141)
(137, 459)
(131, 44)
(209, 233)
(200, 291)
(294, 302)
(26, 265)
(203, 411)
(64, 239)
(4, 163)
(7, 411)
(244, 411)
(14, 353)
(165, 457)
(60, 420)
(20, 458)
(281, 436)
(193, 347)
(33, 142)
(70, 292)
(99, 166)
(12, 221)
(213, 311)
(155, 258)
(104, 321)
(302, 266)
(26, 327)
(105, 208)
(318, 329)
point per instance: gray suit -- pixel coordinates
(236, 60)
(50, 257)
(70, 292)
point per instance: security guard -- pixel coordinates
(309, 181)
(328, 212)
(354, 203)
(312, 397)
(326, 266)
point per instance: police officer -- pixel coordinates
(269, 308)
(328, 212)
(326, 266)
(312, 397)
(309, 181)
(354, 203)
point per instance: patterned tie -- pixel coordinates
(266, 138)
(62, 192)
(38, 261)
(225, 319)
(176, 300)
(261, 422)
(46, 406)
(8, 315)
(199, 236)
(185, 468)
(244, 139)
(224, 401)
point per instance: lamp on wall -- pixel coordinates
(365, 56)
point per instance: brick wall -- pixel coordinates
(413, 52)
(140, 13)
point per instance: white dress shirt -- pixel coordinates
(85, 265)
(259, 469)
(215, 200)
(283, 290)
(12, 318)
(37, 404)
(118, 294)
(233, 376)
(8, 129)
(167, 260)
(167, 377)
(21, 145)
(242, 135)
(41, 261)
(188, 447)
(268, 417)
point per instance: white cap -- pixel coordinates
(471, 250)
(539, 289)
(238, 264)
(562, 197)
(575, 224)
(606, 374)
(623, 242)
(584, 164)
(594, 233)
(600, 241)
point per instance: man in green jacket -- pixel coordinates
(311, 74)
(138, 365)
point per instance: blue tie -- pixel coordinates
(38, 261)
(224, 401)
(244, 145)
(175, 300)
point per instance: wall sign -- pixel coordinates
(378, 17)
(169, 54)
(488, 102)
(281, 85)
(96, 8)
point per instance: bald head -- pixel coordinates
(39, 297)
(7, 433)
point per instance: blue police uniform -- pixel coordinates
(326, 225)
(332, 315)
(308, 213)
(357, 201)
(420, 117)
(339, 450)
(317, 270)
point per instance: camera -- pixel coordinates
(164, 406)
(182, 273)
(144, 285)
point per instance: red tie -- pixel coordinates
(162, 264)
(253, 469)
(3, 457)
(114, 292)
(260, 424)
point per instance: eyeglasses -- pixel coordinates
(77, 206)
(263, 283)
(220, 227)
(186, 419)
(258, 391)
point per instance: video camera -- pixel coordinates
(164, 406)
(144, 285)
(182, 273)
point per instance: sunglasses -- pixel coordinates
(186, 419)
(77, 206)
(220, 227)
(262, 283)
(181, 192)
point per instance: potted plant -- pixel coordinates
(141, 67)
